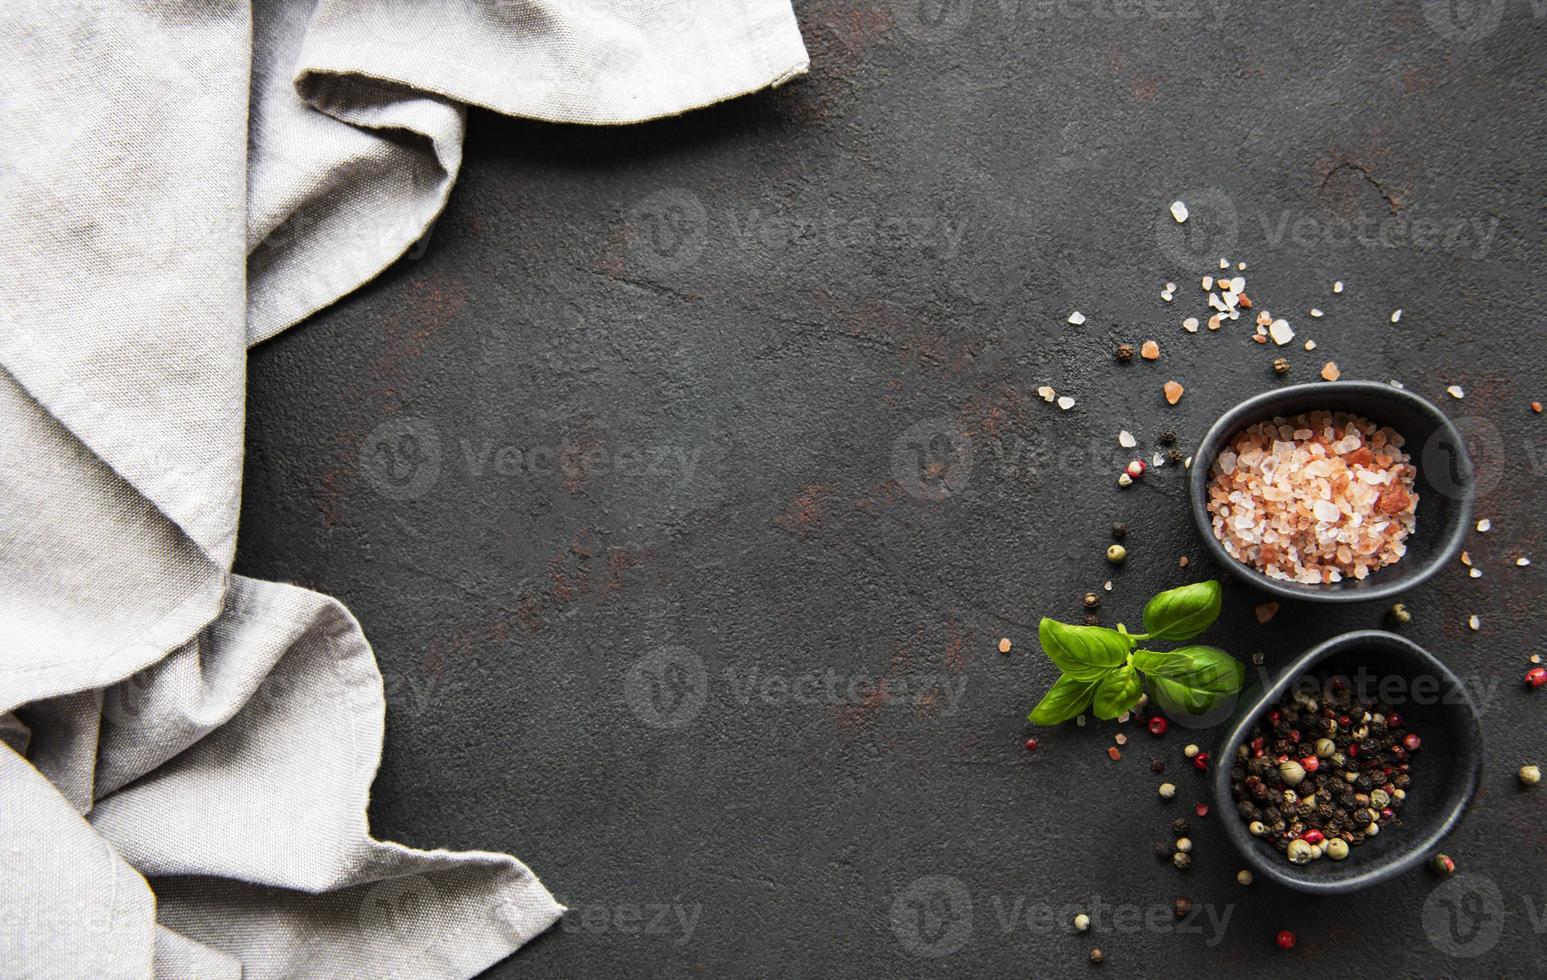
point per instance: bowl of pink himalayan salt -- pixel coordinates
(1333, 492)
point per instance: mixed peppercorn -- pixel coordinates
(1320, 775)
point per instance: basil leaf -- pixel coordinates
(1199, 668)
(1118, 691)
(1192, 680)
(1083, 652)
(1180, 701)
(1181, 614)
(1066, 699)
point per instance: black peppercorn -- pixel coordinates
(1162, 851)
(1119, 530)
(1182, 906)
(1124, 352)
(1157, 766)
(1179, 825)
(1167, 437)
(1095, 955)
(1092, 600)
(1091, 619)
(1175, 455)
(1280, 366)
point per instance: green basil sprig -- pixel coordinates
(1104, 671)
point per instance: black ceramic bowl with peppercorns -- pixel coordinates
(1443, 482)
(1366, 739)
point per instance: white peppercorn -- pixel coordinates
(1082, 922)
(1299, 852)
(1530, 775)
(1167, 791)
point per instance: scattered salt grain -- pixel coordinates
(1224, 263)
(1310, 345)
(1337, 287)
(1208, 283)
(1150, 350)
(1477, 573)
(1179, 211)
(1173, 392)
(1107, 585)
(1238, 284)
(1522, 561)
(1165, 294)
(1065, 402)
(1241, 266)
(1316, 313)
(1190, 324)
(1214, 322)
(1455, 391)
(1396, 315)
(1076, 318)
(1126, 439)
(1281, 332)
(1473, 623)
(1047, 394)
(1170, 287)
(1330, 372)
(1485, 525)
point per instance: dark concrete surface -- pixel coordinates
(671, 387)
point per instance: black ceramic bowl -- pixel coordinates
(1445, 770)
(1444, 482)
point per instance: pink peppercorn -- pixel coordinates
(1411, 742)
(1202, 809)
(1031, 745)
(1313, 836)
(1285, 939)
(1201, 760)
(1536, 676)
(1158, 726)
(1310, 763)
(1393, 720)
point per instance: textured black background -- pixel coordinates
(769, 290)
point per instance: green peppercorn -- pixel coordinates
(1337, 848)
(1325, 747)
(1398, 616)
(1291, 772)
(1116, 554)
(1298, 852)
(1181, 860)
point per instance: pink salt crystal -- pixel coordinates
(1314, 499)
